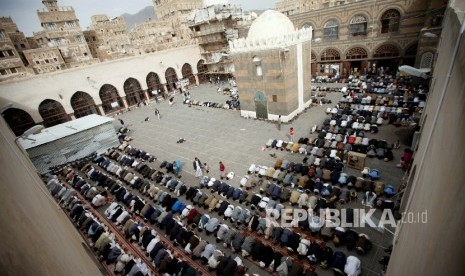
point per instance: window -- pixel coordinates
(37, 62)
(70, 24)
(258, 66)
(356, 53)
(79, 38)
(10, 53)
(13, 70)
(331, 30)
(2, 54)
(55, 59)
(275, 98)
(358, 26)
(386, 50)
(51, 26)
(330, 54)
(47, 61)
(3, 72)
(426, 60)
(307, 26)
(2, 35)
(23, 46)
(390, 21)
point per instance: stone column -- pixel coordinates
(71, 115)
(125, 103)
(147, 97)
(100, 109)
(197, 81)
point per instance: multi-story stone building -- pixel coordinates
(360, 35)
(62, 30)
(45, 60)
(16, 36)
(154, 35)
(107, 38)
(11, 65)
(213, 27)
(177, 12)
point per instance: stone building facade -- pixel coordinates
(62, 30)
(45, 60)
(356, 35)
(16, 36)
(213, 27)
(11, 64)
(177, 12)
(438, 158)
(107, 38)
(104, 88)
(272, 68)
(155, 35)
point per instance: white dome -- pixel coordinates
(207, 3)
(270, 24)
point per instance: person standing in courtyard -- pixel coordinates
(279, 122)
(157, 113)
(197, 167)
(155, 94)
(222, 170)
(291, 134)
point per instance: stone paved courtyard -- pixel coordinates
(216, 134)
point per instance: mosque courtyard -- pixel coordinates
(215, 135)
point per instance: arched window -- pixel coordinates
(356, 53)
(330, 54)
(53, 113)
(390, 21)
(187, 73)
(258, 66)
(154, 83)
(427, 60)
(386, 50)
(171, 79)
(358, 25)
(307, 26)
(202, 71)
(331, 29)
(111, 100)
(18, 120)
(134, 92)
(83, 104)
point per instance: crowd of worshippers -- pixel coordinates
(345, 130)
(103, 241)
(237, 214)
(230, 104)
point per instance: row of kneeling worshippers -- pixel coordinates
(195, 218)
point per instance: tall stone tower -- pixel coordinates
(273, 68)
(62, 30)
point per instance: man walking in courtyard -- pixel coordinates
(279, 122)
(157, 113)
(222, 170)
(291, 134)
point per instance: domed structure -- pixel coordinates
(270, 24)
(207, 3)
